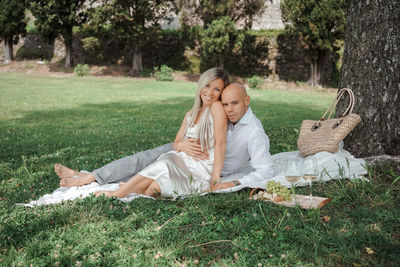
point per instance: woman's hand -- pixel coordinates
(213, 183)
(192, 148)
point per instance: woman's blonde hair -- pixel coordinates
(204, 130)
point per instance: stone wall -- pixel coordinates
(274, 56)
(270, 19)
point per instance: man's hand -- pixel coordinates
(192, 148)
(220, 186)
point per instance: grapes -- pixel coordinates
(278, 189)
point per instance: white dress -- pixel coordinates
(178, 174)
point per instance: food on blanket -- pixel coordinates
(267, 195)
(277, 189)
(278, 199)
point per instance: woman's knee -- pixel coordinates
(153, 189)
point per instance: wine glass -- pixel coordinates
(310, 172)
(293, 171)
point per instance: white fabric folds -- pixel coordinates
(339, 165)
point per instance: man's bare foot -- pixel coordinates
(121, 184)
(78, 181)
(64, 172)
(105, 193)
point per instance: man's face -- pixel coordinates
(235, 102)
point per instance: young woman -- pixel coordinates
(175, 173)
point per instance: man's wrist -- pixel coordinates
(236, 182)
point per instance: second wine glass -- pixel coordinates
(310, 171)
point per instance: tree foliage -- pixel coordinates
(220, 38)
(55, 17)
(210, 10)
(319, 24)
(133, 22)
(12, 24)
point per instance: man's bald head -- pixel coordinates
(236, 88)
(235, 101)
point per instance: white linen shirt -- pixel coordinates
(246, 142)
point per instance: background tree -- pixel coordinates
(55, 17)
(319, 24)
(210, 10)
(12, 24)
(220, 38)
(136, 23)
(371, 67)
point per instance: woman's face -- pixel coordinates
(212, 92)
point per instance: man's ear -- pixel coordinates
(247, 100)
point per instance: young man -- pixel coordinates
(246, 143)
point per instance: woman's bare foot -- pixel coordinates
(78, 181)
(64, 172)
(105, 193)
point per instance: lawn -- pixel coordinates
(87, 122)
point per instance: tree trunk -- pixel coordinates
(371, 68)
(137, 61)
(8, 50)
(220, 62)
(68, 55)
(316, 62)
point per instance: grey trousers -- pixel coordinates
(121, 170)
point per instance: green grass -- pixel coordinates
(87, 122)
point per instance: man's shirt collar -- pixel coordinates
(244, 120)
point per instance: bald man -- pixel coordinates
(246, 144)
(246, 141)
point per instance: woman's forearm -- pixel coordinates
(219, 157)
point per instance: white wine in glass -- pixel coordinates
(293, 171)
(292, 179)
(310, 177)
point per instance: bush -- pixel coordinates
(28, 53)
(219, 39)
(145, 72)
(254, 82)
(163, 73)
(82, 70)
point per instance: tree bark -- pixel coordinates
(68, 53)
(137, 61)
(8, 50)
(220, 62)
(371, 68)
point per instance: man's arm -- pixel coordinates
(260, 159)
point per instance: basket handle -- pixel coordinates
(332, 107)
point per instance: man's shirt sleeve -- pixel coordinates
(260, 158)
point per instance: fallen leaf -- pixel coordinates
(158, 255)
(326, 218)
(370, 251)
(236, 256)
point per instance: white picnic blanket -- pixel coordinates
(339, 165)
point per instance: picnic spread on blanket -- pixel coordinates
(338, 165)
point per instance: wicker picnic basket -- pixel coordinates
(325, 134)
